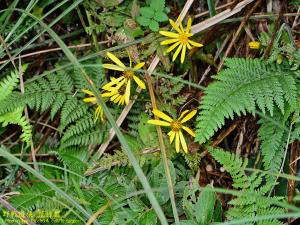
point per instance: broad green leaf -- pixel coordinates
(147, 132)
(161, 17)
(157, 5)
(136, 204)
(205, 207)
(159, 180)
(147, 12)
(154, 26)
(189, 200)
(143, 21)
(148, 218)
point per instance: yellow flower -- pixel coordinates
(99, 111)
(116, 94)
(254, 44)
(180, 39)
(127, 76)
(176, 126)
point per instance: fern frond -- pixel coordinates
(57, 104)
(273, 140)
(47, 91)
(169, 96)
(193, 160)
(83, 124)
(72, 110)
(252, 201)
(234, 165)
(134, 119)
(8, 84)
(88, 137)
(245, 85)
(74, 158)
(15, 115)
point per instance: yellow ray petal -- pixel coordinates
(183, 54)
(119, 85)
(113, 67)
(139, 66)
(117, 99)
(191, 132)
(111, 83)
(174, 25)
(161, 115)
(173, 46)
(169, 41)
(115, 59)
(108, 94)
(87, 92)
(127, 92)
(140, 83)
(180, 24)
(99, 113)
(188, 26)
(177, 52)
(172, 136)
(114, 97)
(122, 100)
(189, 116)
(104, 95)
(169, 34)
(159, 123)
(183, 113)
(195, 43)
(177, 147)
(189, 46)
(183, 143)
(91, 99)
(130, 60)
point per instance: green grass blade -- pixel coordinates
(57, 6)
(30, 5)
(66, 11)
(211, 8)
(6, 16)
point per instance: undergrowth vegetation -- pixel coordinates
(149, 112)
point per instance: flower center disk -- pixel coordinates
(183, 38)
(175, 125)
(128, 74)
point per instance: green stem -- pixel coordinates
(94, 37)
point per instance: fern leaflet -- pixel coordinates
(245, 85)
